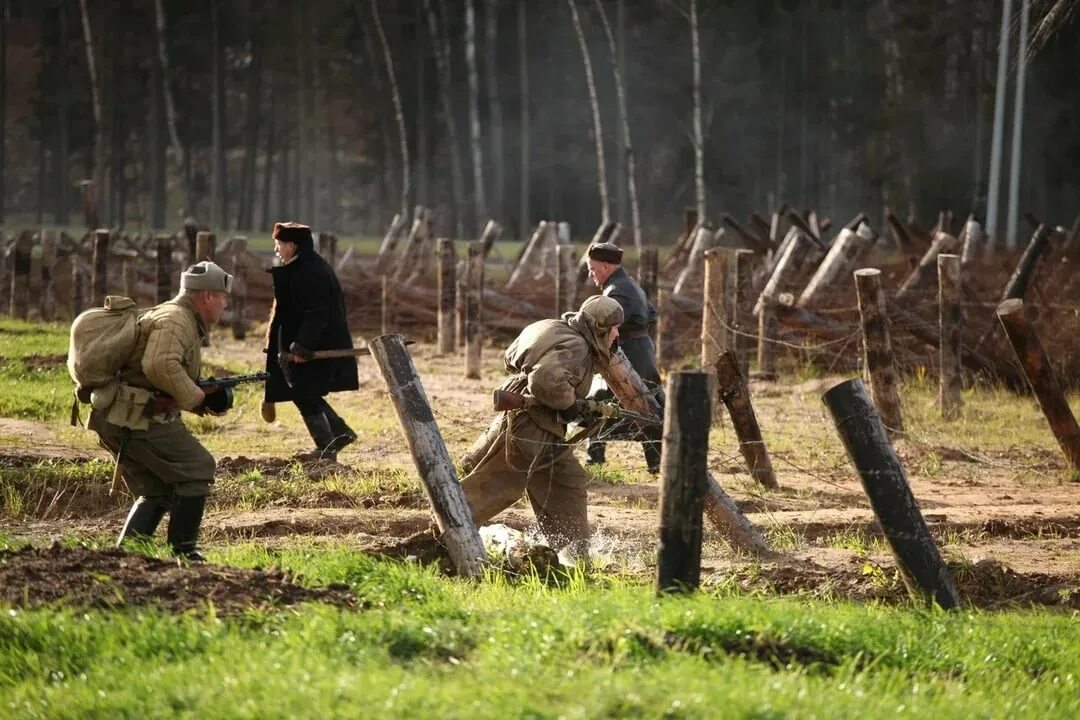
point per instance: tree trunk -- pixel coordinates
(268, 162)
(498, 161)
(624, 118)
(158, 143)
(441, 45)
(403, 136)
(598, 130)
(423, 178)
(699, 137)
(219, 201)
(98, 172)
(63, 182)
(3, 105)
(246, 212)
(474, 113)
(524, 220)
(182, 162)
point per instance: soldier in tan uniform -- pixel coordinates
(165, 467)
(526, 451)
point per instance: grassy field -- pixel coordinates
(592, 645)
(425, 646)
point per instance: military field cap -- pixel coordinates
(606, 252)
(206, 276)
(295, 233)
(604, 312)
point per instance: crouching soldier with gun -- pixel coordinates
(166, 468)
(525, 449)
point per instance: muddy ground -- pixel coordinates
(1006, 517)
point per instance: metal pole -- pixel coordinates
(1015, 161)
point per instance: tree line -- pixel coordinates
(342, 113)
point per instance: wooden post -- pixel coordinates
(721, 510)
(5, 281)
(413, 259)
(490, 236)
(767, 337)
(949, 319)
(877, 347)
(328, 247)
(47, 306)
(385, 257)
(386, 306)
(238, 301)
(565, 279)
(787, 268)
(461, 290)
(78, 288)
(736, 398)
(20, 276)
(128, 272)
(452, 514)
(714, 316)
(741, 307)
(89, 204)
(693, 271)
(972, 238)
(473, 305)
(191, 234)
(99, 280)
(1018, 283)
(887, 488)
(923, 274)
(164, 267)
(447, 287)
(529, 264)
(842, 253)
(665, 326)
(647, 272)
(682, 482)
(1040, 375)
(205, 245)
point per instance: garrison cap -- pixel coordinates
(206, 275)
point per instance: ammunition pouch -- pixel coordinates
(128, 409)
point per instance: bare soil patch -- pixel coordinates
(83, 578)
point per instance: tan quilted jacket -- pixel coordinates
(168, 355)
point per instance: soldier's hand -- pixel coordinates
(300, 353)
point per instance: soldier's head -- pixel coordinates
(209, 288)
(604, 259)
(605, 316)
(291, 239)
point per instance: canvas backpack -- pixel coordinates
(102, 341)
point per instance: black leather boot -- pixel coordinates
(596, 452)
(343, 434)
(185, 519)
(319, 428)
(143, 520)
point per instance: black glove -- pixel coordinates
(299, 350)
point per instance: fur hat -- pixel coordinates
(299, 235)
(606, 252)
(206, 275)
(603, 312)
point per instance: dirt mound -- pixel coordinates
(278, 466)
(83, 578)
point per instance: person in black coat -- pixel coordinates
(606, 270)
(308, 315)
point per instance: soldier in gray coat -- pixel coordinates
(606, 270)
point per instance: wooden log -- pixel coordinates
(238, 301)
(883, 479)
(461, 291)
(814, 234)
(714, 319)
(128, 272)
(842, 254)
(900, 235)
(949, 323)
(1025, 269)
(191, 234)
(565, 285)
(665, 331)
(767, 339)
(386, 305)
(877, 347)
(78, 286)
(776, 225)
(682, 482)
(473, 334)
(447, 290)
(164, 267)
(786, 270)
(100, 279)
(330, 251)
(384, 258)
(925, 273)
(736, 398)
(743, 337)
(411, 263)
(490, 236)
(1040, 375)
(530, 263)
(693, 272)
(721, 510)
(452, 514)
(749, 239)
(685, 241)
(47, 306)
(648, 266)
(89, 204)
(20, 276)
(972, 242)
(205, 246)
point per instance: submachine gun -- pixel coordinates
(219, 393)
(503, 400)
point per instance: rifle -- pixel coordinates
(219, 393)
(503, 400)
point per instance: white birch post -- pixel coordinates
(444, 493)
